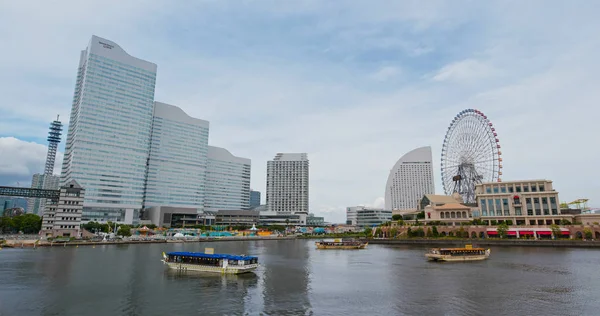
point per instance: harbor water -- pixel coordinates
(297, 279)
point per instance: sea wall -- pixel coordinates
(488, 242)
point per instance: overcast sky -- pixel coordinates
(355, 84)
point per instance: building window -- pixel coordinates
(518, 188)
(526, 188)
(484, 211)
(495, 189)
(503, 189)
(529, 207)
(498, 207)
(518, 211)
(510, 189)
(505, 206)
(534, 187)
(553, 206)
(442, 215)
(488, 190)
(542, 189)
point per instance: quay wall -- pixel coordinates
(488, 242)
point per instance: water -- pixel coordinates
(297, 279)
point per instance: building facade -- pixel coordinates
(63, 217)
(528, 202)
(237, 217)
(314, 221)
(254, 199)
(287, 184)
(178, 159)
(369, 217)
(108, 139)
(410, 179)
(227, 181)
(351, 217)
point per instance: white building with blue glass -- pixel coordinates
(108, 140)
(227, 181)
(178, 159)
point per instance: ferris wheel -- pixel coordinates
(470, 154)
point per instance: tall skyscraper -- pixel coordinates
(409, 180)
(287, 184)
(254, 199)
(46, 180)
(227, 181)
(108, 140)
(178, 159)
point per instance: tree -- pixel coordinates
(564, 222)
(461, 233)
(421, 215)
(368, 232)
(451, 233)
(502, 229)
(435, 232)
(429, 233)
(30, 223)
(420, 232)
(587, 233)
(400, 222)
(393, 233)
(378, 232)
(396, 217)
(555, 230)
(409, 232)
(124, 230)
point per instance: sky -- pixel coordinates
(355, 84)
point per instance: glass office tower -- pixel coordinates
(108, 140)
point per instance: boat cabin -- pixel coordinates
(206, 259)
(458, 251)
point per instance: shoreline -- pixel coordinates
(489, 242)
(31, 244)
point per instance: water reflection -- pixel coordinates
(297, 279)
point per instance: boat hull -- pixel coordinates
(448, 258)
(212, 269)
(323, 246)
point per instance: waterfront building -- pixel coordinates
(410, 179)
(267, 218)
(177, 165)
(169, 216)
(287, 185)
(63, 217)
(528, 202)
(312, 220)
(108, 140)
(237, 217)
(363, 216)
(46, 180)
(351, 214)
(227, 181)
(254, 199)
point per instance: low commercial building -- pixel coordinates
(369, 217)
(314, 221)
(527, 202)
(63, 217)
(275, 218)
(237, 217)
(168, 216)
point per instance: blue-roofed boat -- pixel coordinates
(210, 262)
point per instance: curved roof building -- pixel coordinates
(409, 180)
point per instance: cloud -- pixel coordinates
(465, 70)
(355, 85)
(21, 159)
(385, 73)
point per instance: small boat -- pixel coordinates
(341, 244)
(458, 254)
(210, 262)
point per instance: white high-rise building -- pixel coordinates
(287, 184)
(409, 180)
(178, 159)
(108, 140)
(227, 181)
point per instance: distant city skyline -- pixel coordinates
(354, 85)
